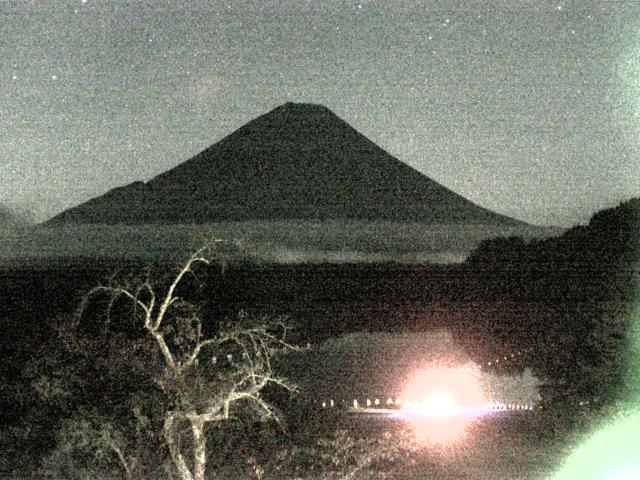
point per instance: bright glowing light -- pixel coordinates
(442, 401)
(439, 404)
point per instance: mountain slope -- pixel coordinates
(10, 218)
(299, 161)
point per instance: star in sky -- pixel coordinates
(522, 97)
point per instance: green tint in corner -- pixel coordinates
(612, 453)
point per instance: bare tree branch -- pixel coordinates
(174, 448)
(118, 451)
(169, 296)
(196, 396)
(164, 349)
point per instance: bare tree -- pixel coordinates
(204, 378)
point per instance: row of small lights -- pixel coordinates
(505, 358)
(376, 402)
(496, 405)
(399, 402)
(499, 406)
(513, 356)
(493, 406)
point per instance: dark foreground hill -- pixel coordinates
(572, 316)
(584, 284)
(611, 239)
(299, 161)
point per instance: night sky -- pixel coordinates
(530, 109)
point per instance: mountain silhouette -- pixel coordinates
(12, 218)
(298, 161)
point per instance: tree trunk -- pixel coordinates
(199, 449)
(174, 449)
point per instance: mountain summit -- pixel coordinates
(298, 161)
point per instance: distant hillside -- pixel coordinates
(10, 219)
(573, 299)
(611, 238)
(299, 161)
